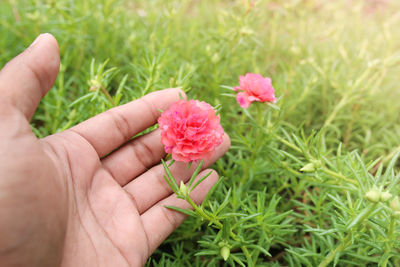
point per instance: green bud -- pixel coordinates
(395, 204)
(385, 196)
(183, 189)
(225, 252)
(94, 85)
(310, 167)
(373, 195)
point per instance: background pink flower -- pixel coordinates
(190, 130)
(254, 87)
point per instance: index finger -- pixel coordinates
(112, 128)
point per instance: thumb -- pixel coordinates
(29, 76)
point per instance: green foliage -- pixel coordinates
(297, 174)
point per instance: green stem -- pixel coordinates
(341, 104)
(391, 227)
(339, 176)
(293, 146)
(388, 245)
(247, 255)
(259, 121)
(339, 248)
(285, 142)
(15, 11)
(202, 213)
(107, 95)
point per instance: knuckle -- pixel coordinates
(151, 108)
(142, 152)
(38, 76)
(170, 217)
(121, 123)
(162, 184)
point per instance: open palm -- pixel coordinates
(88, 196)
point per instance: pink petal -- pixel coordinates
(242, 99)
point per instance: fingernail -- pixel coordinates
(36, 40)
(39, 38)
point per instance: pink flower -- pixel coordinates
(190, 130)
(254, 87)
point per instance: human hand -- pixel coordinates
(88, 196)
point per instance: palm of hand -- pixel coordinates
(89, 203)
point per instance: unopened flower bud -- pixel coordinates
(373, 195)
(94, 85)
(395, 204)
(225, 252)
(385, 196)
(183, 189)
(309, 167)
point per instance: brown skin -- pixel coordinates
(66, 199)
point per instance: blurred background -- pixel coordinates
(328, 59)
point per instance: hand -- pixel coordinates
(88, 196)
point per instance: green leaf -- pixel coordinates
(171, 184)
(200, 180)
(260, 248)
(213, 188)
(170, 177)
(239, 261)
(195, 173)
(171, 162)
(184, 211)
(226, 228)
(225, 202)
(189, 165)
(206, 253)
(365, 213)
(82, 98)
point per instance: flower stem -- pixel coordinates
(202, 213)
(104, 91)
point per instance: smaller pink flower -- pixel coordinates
(190, 130)
(254, 87)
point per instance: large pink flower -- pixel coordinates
(254, 87)
(190, 130)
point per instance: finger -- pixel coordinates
(159, 222)
(150, 187)
(29, 76)
(112, 128)
(135, 157)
